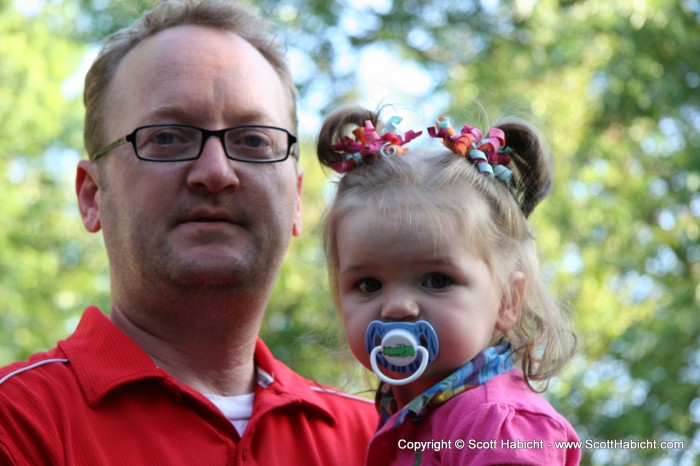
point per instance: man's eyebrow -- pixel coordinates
(180, 114)
(168, 111)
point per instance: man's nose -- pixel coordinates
(213, 171)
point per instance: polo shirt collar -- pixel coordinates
(278, 385)
(105, 358)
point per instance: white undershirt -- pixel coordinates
(237, 409)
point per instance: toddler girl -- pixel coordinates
(434, 269)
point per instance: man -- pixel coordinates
(197, 205)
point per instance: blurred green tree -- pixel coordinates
(44, 280)
(613, 85)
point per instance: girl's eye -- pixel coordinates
(437, 281)
(369, 285)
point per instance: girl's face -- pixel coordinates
(389, 271)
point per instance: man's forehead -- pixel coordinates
(188, 69)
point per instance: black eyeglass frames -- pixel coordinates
(177, 143)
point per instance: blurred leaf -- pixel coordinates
(613, 85)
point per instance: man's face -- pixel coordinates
(208, 222)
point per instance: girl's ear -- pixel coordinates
(509, 313)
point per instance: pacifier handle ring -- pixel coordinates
(407, 380)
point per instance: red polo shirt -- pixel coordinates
(98, 399)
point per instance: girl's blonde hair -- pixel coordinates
(443, 190)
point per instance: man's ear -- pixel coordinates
(296, 227)
(509, 313)
(87, 186)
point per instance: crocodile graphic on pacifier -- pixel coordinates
(401, 347)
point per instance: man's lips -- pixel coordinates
(208, 216)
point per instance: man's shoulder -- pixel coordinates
(337, 404)
(47, 369)
(40, 368)
(340, 398)
(332, 399)
(35, 392)
(355, 414)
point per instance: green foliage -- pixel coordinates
(613, 85)
(45, 277)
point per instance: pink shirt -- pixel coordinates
(501, 422)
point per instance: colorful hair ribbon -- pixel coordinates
(489, 155)
(368, 143)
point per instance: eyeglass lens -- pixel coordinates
(183, 142)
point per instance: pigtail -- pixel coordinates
(543, 339)
(336, 126)
(530, 162)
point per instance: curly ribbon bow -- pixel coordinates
(368, 143)
(490, 155)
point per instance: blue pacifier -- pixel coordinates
(401, 347)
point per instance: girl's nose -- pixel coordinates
(400, 305)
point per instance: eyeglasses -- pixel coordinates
(177, 143)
